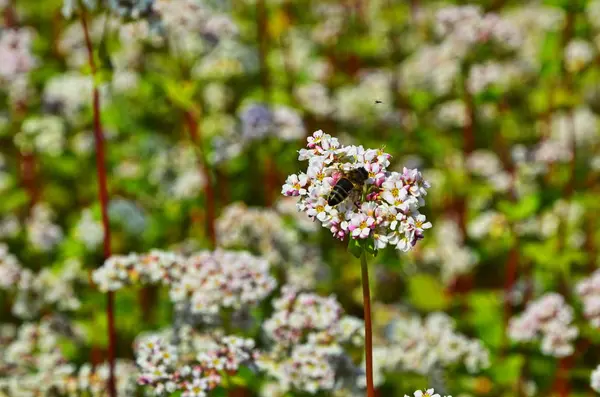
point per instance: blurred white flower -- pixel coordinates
(548, 318)
(578, 54)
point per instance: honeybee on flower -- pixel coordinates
(351, 192)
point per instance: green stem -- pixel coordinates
(368, 328)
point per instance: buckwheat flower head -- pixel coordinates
(588, 290)
(387, 208)
(449, 251)
(595, 379)
(578, 53)
(224, 279)
(41, 232)
(307, 332)
(265, 232)
(426, 393)
(88, 230)
(195, 372)
(549, 318)
(44, 134)
(15, 52)
(418, 345)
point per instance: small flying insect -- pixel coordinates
(378, 101)
(352, 180)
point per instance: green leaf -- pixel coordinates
(522, 209)
(369, 246)
(427, 293)
(355, 247)
(507, 371)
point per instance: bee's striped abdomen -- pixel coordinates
(340, 191)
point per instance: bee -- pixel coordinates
(354, 179)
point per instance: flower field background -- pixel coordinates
(174, 221)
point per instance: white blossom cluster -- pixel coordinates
(16, 55)
(166, 368)
(449, 252)
(45, 134)
(419, 345)
(588, 290)
(208, 280)
(177, 172)
(466, 26)
(32, 363)
(386, 210)
(88, 230)
(550, 318)
(71, 92)
(265, 232)
(486, 164)
(33, 291)
(595, 379)
(307, 332)
(426, 393)
(578, 54)
(230, 279)
(42, 233)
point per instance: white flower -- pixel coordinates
(361, 225)
(385, 209)
(294, 185)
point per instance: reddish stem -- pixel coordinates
(103, 196)
(368, 326)
(192, 124)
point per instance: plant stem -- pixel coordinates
(103, 196)
(368, 328)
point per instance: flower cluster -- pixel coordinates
(33, 291)
(175, 172)
(449, 252)
(42, 135)
(595, 379)
(466, 26)
(15, 52)
(226, 279)
(166, 368)
(549, 317)
(32, 363)
(207, 280)
(417, 345)
(265, 232)
(41, 232)
(88, 230)
(426, 393)
(387, 208)
(588, 290)
(307, 331)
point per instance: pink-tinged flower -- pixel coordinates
(389, 206)
(376, 173)
(319, 210)
(361, 225)
(414, 181)
(295, 185)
